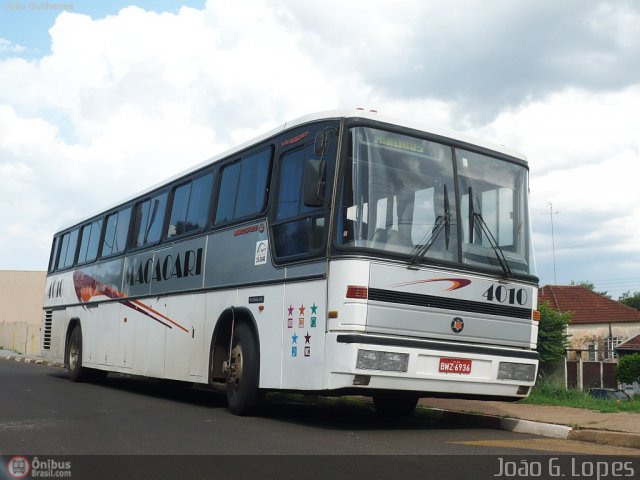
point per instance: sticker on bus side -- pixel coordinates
(262, 247)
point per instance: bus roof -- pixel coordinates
(319, 116)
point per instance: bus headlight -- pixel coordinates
(516, 371)
(387, 361)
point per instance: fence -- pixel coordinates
(588, 374)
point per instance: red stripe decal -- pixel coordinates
(456, 283)
(87, 287)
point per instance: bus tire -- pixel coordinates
(395, 404)
(75, 371)
(243, 394)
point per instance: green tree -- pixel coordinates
(552, 333)
(630, 300)
(628, 370)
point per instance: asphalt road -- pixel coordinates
(42, 413)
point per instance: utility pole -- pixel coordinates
(553, 242)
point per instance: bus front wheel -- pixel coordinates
(243, 372)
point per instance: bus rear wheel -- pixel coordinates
(75, 371)
(396, 404)
(243, 372)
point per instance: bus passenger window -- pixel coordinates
(227, 194)
(149, 218)
(190, 206)
(243, 188)
(53, 261)
(68, 250)
(90, 241)
(115, 236)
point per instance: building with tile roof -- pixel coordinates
(630, 346)
(598, 324)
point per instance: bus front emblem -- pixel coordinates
(457, 324)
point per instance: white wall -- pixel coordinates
(21, 296)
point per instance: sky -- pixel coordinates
(100, 99)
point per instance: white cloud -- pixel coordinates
(583, 151)
(584, 155)
(9, 47)
(127, 100)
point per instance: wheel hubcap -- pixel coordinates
(235, 370)
(74, 355)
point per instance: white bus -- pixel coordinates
(341, 253)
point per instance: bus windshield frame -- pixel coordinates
(432, 202)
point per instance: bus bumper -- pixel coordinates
(373, 362)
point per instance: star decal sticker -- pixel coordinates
(294, 338)
(307, 338)
(290, 309)
(314, 308)
(301, 309)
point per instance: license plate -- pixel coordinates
(454, 365)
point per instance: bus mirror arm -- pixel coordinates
(321, 143)
(314, 182)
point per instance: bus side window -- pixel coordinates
(190, 206)
(299, 229)
(68, 250)
(90, 241)
(53, 260)
(149, 218)
(243, 187)
(115, 236)
(227, 194)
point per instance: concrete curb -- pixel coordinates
(617, 439)
(36, 361)
(516, 425)
(550, 430)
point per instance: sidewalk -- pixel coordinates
(617, 429)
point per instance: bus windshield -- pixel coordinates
(400, 196)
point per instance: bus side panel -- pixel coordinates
(239, 256)
(265, 305)
(59, 291)
(154, 338)
(303, 346)
(198, 356)
(184, 335)
(89, 324)
(106, 333)
(126, 337)
(58, 336)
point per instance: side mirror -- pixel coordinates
(314, 183)
(321, 143)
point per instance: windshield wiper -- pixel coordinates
(421, 249)
(502, 260)
(494, 244)
(442, 222)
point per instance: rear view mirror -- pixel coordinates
(314, 183)
(321, 143)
